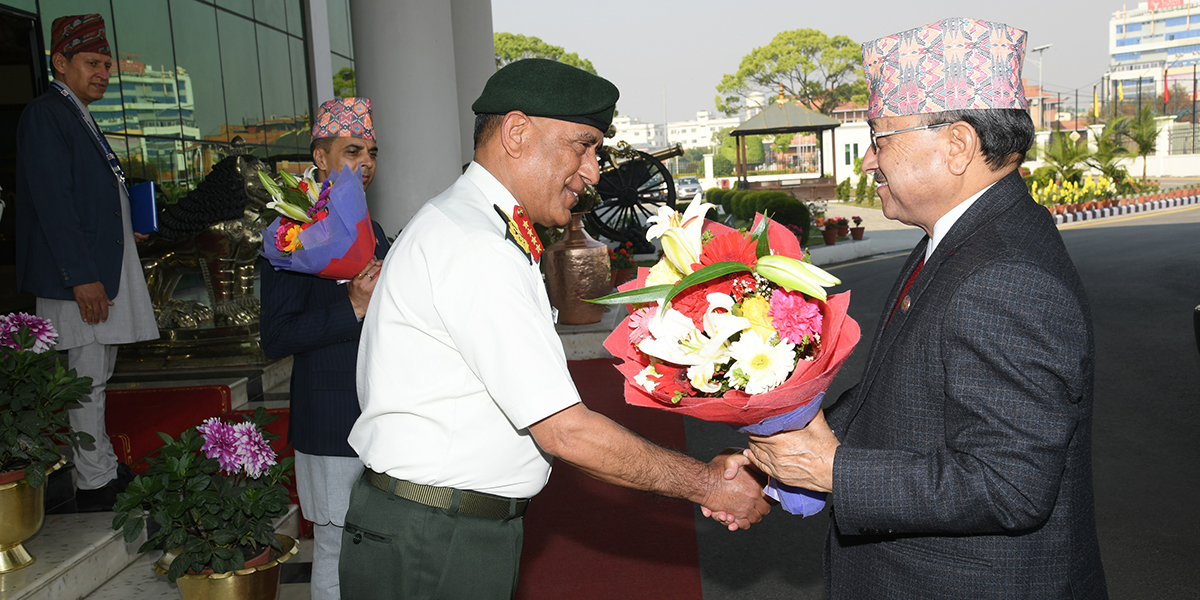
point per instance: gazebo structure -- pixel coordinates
(786, 117)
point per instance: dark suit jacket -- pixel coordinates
(965, 464)
(311, 318)
(69, 222)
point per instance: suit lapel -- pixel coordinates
(79, 117)
(996, 200)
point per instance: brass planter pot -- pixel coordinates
(254, 583)
(577, 268)
(22, 510)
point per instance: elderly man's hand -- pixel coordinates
(93, 302)
(737, 499)
(801, 458)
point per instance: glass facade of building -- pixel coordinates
(191, 76)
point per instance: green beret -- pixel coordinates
(547, 88)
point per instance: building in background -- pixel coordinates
(647, 137)
(1154, 44)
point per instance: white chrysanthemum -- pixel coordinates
(643, 378)
(759, 364)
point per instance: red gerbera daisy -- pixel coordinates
(733, 246)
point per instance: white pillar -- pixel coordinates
(475, 61)
(320, 84)
(404, 62)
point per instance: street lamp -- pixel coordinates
(1041, 90)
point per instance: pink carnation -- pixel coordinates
(794, 316)
(42, 331)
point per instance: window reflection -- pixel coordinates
(243, 99)
(271, 12)
(300, 95)
(198, 73)
(339, 28)
(244, 7)
(295, 17)
(146, 62)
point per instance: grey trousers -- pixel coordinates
(323, 484)
(95, 463)
(394, 548)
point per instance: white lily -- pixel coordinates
(675, 339)
(796, 276)
(681, 235)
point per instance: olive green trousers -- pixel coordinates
(394, 548)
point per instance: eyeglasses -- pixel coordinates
(875, 136)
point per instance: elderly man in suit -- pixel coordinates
(960, 465)
(318, 321)
(75, 245)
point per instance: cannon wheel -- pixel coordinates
(632, 187)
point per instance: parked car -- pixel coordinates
(688, 188)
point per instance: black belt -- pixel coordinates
(460, 501)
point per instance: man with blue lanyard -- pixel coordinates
(75, 243)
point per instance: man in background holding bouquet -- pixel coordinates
(76, 249)
(462, 378)
(318, 322)
(961, 466)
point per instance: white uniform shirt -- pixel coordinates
(458, 355)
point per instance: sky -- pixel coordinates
(667, 56)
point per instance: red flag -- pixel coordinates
(1166, 88)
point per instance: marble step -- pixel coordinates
(76, 554)
(139, 579)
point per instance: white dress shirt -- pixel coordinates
(944, 224)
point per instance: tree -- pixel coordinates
(722, 167)
(512, 47)
(1065, 156)
(1142, 130)
(821, 71)
(754, 149)
(783, 143)
(343, 83)
(1110, 151)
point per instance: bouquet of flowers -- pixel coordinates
(214, 492)
(320, 230)
(733, 327)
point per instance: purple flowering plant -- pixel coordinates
(214, 494)
(36, 388)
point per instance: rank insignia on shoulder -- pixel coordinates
(519, 231)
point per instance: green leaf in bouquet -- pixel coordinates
(764, 242)
(705, 275)
(652, 293)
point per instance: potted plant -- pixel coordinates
(620, 261)
(843, 226)
(214, 493)
(35, 390)
(830, 232)
(856, 232)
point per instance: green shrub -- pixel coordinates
(743, 204)
(843, 190)
(716, 196)
(790, 212)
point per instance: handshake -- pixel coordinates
(800, 458)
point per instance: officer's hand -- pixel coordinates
(140, 237)
(93, 302)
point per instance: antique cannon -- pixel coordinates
(633, 185)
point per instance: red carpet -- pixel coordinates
(586, 539)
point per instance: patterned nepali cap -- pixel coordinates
(344, 117)
(954, 64)
(79, 33)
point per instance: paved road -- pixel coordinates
(1142, 274)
